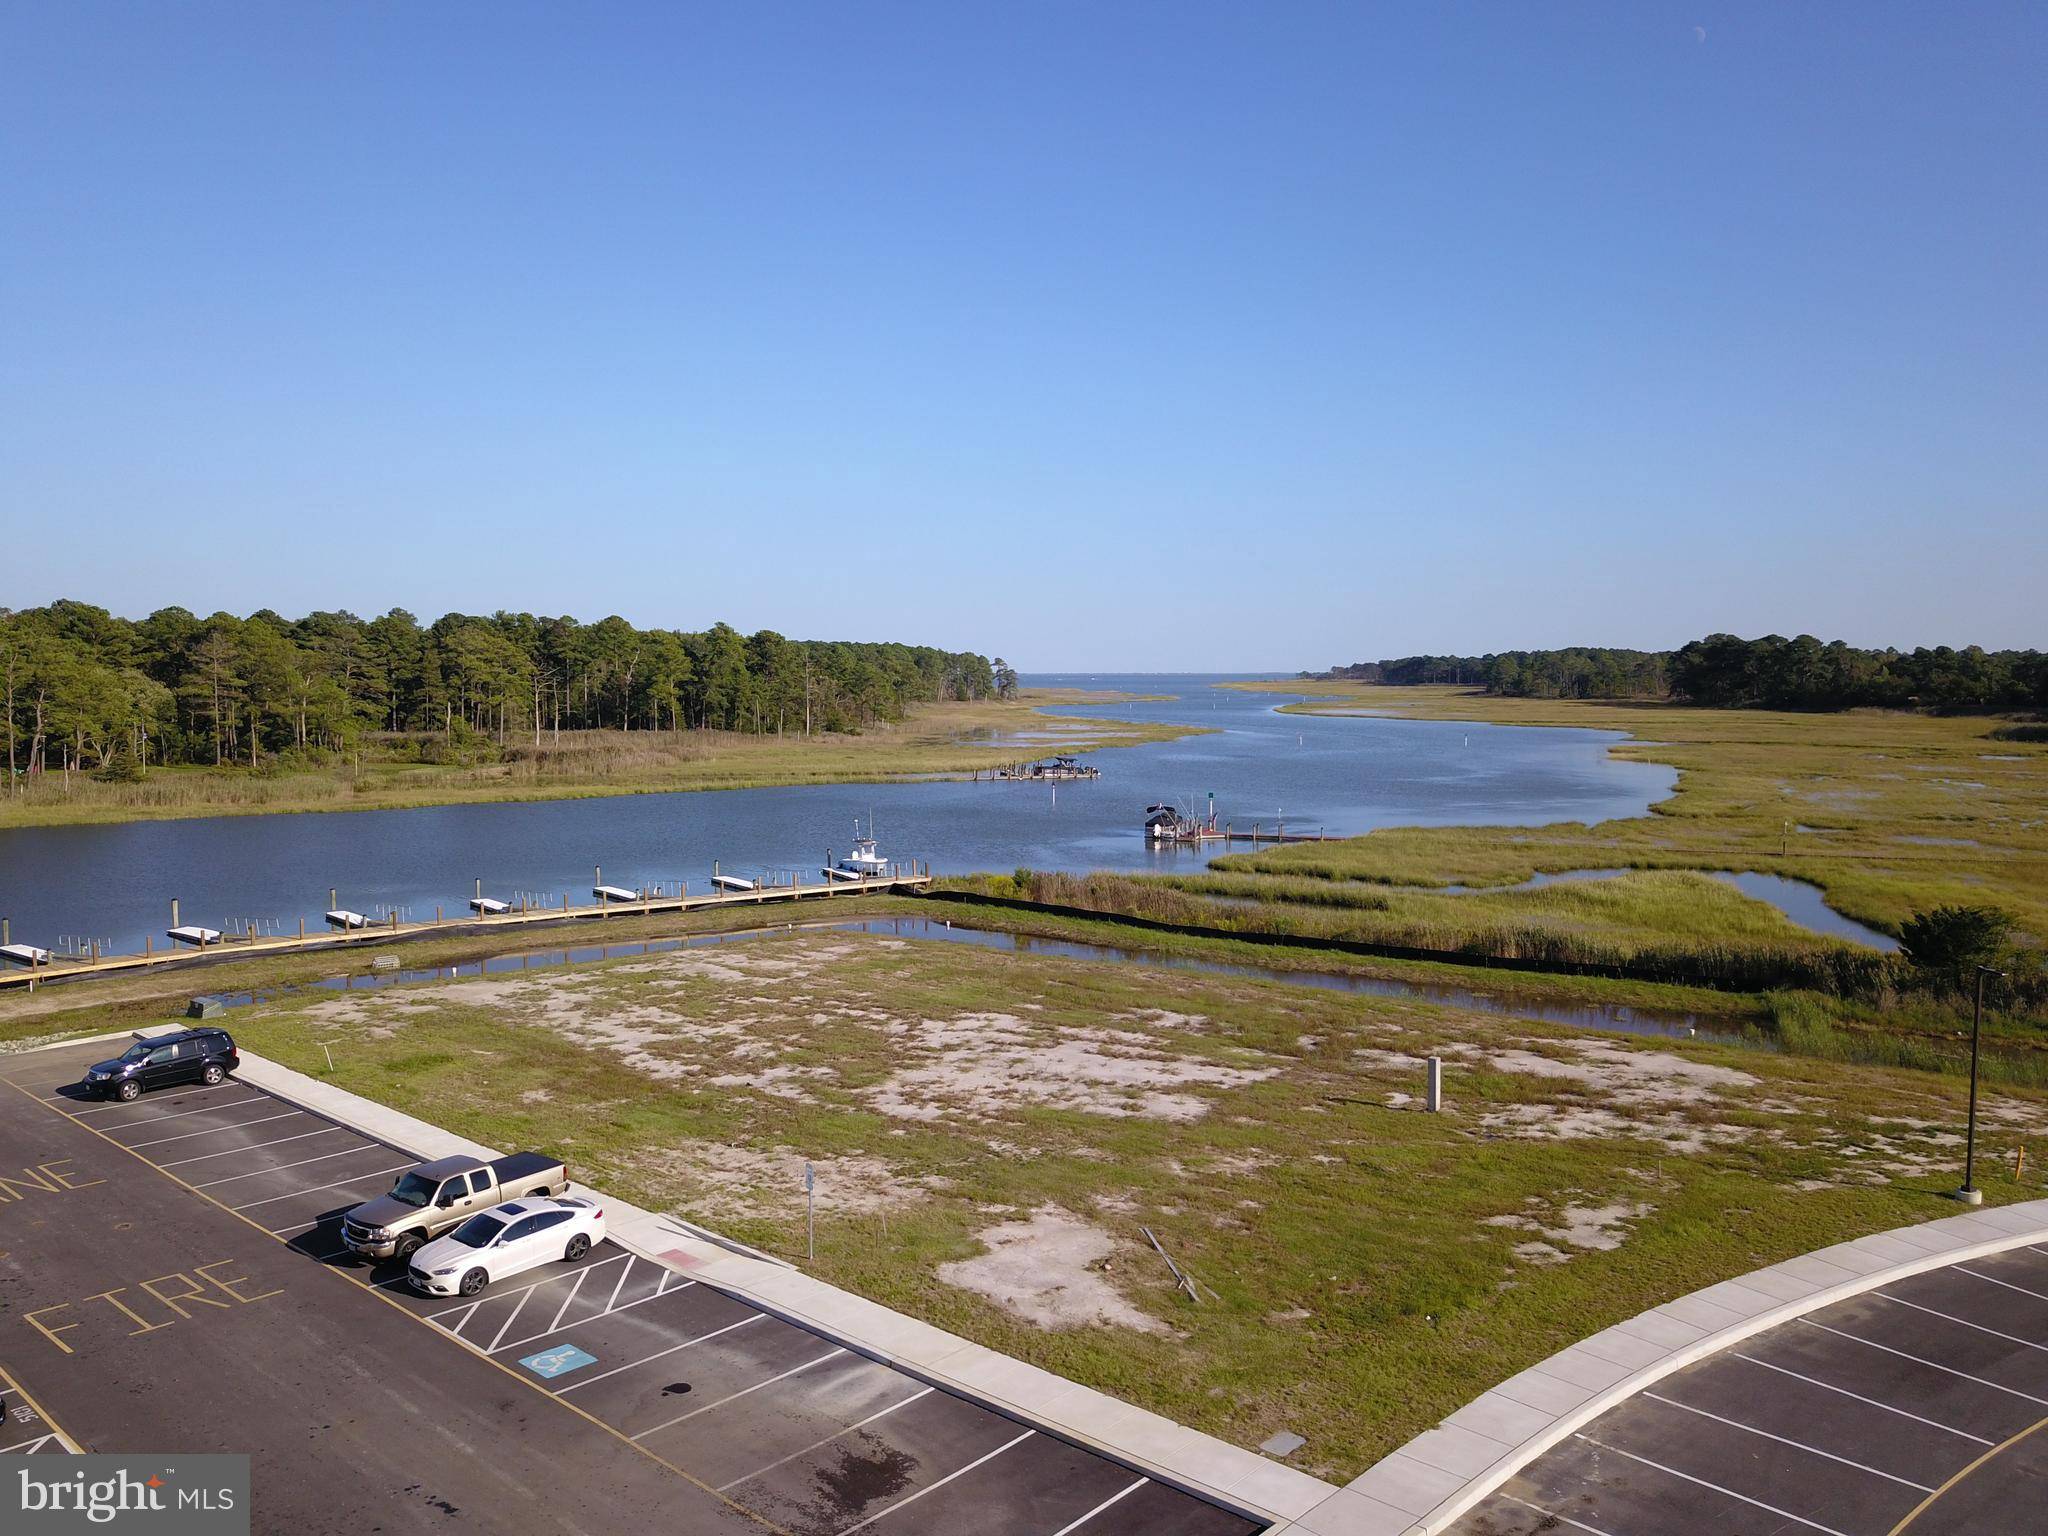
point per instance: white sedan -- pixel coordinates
(516, 1236)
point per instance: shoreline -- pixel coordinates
(956, 758)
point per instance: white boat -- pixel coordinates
(24, 954)
(735, 883)
(866, 861)
(341, 917)
(489, 906)
(834, 872)
(613, 893)
(192, 933)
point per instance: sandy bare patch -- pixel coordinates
(982, 1064)
(721, 1182)
(1044, 1271)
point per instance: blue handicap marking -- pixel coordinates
(559, 1361)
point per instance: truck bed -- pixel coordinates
(523, 1165)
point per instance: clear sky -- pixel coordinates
(1094, 334)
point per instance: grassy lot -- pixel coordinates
(934, 739)
(1370, 1266)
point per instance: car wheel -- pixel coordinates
(474, 1281)
(129, 1091)
(408, 1245)
(212, 1074)
(579, 1245)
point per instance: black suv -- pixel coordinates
(189, 1056)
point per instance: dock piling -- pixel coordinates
(174, 911)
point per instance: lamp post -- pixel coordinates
(1970, 1194)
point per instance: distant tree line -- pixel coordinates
(86, 690)
(1727, 672)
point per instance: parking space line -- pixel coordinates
(1922, 1507)
(1547, 1514)
(207, 1157)
(613, 1299)
(324, 1157)
(1990, 1280)
(1075, 1525)
(1702, 1482)
(467, 1313)
(26, 1447)
(581, 1276)
(1813, 1381)
(211, 1130)
(502, 1327)
(859, 1424)
(316, 1188)
(1933, 1365)
(2010, 1338)
(56, 1430)
(179, 1114)
(659, 1354)
(1797, 1445)
(498, 1295)
(735, 1396)
(934, 1487)
(629, 1306)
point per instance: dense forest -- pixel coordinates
(87, 690)
(1731, 673)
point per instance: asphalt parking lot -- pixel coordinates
(1920, 1407)
(747, 1421)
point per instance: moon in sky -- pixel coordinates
(1700, 33)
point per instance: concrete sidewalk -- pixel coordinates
(1154, 1445)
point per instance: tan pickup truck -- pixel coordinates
(436, 1197)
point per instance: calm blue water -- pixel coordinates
(1343, 775)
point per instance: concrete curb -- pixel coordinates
(1155, 1445)
(1423, 1487)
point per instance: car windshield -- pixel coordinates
(138, 1051)
(478, 1231)
(414, 1190)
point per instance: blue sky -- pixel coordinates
(1160, 335)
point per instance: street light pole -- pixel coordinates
(1970, 1194)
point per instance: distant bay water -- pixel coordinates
(1343, 775)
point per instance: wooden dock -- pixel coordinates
(1229, 834)
(907, 877)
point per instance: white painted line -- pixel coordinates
(2010, 1338)
(545, 1280)
(144, 1120)
(831, 1354)
(815, 1444)
(1988, 1280)
(1547, 1514)
(582, 1276)
(613, 1299)
(1827, 1386)
(207, 1157)
(659, 1354)
(211, 1130)
(629, 1306)
(324, 1157)
(933, 1488)
(1702, 1482)
(1075, 1525)
(1933, 1365)
(179, 1114)
(467, 1313)
(316, 1188)
(504, 1326)
(26, 1447)
(1797, 1445)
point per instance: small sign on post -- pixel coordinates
(811, 1212)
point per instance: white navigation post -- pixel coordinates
(811, 1212)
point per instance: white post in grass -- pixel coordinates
(1435, 1100)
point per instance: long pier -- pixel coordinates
(913, 877)
(1229, 834)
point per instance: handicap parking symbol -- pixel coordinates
(559, 1361)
